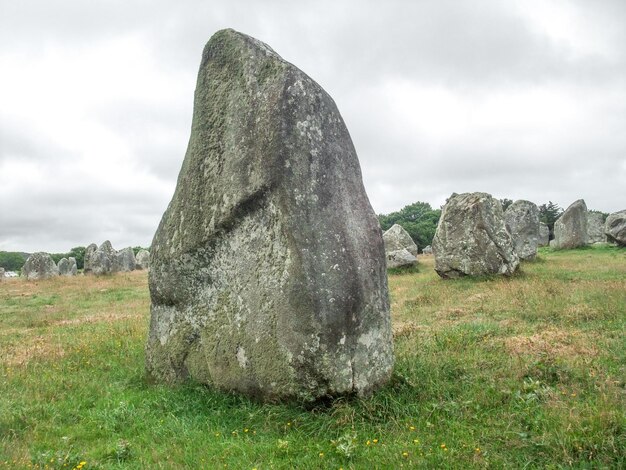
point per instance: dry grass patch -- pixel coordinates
(553, 343)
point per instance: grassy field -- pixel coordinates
(528, 372)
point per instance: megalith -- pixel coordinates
(125, 260)
(595, 228)
(471, 238)
(544, 234)
(67, 266)
(142, 259)
(615, 228)
(400, 249)
(267, 272)
(101, 260)
(522, 222)
(570, 230)
(1, 274)
(39, 265)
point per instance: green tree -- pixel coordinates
(418, 219)
(78, 252)
(548, 213)
(11, 260)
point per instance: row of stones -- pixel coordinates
(98, 260)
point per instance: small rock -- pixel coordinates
(544, 234)
(428, 250)
(400, 258)
(396, 238)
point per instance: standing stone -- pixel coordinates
(39, 266)
(1, 274)
(396, 238)
(427, 250)
(125, 260)
(544, 234)
(471, 238)
(595, 228)
(615, 228)
(103, 260)
(67, 267)
(400, 249)
(570, 230)
(142, 260)
(267, 270)
(522, 222)
(87, 262)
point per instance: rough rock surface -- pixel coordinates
(1, 274)
(142, 260)
(427, 250)
(87, 262)
(125, 260)
(471, 238)
(400, 258)
(544, 234)
(615, 228)
(522, 222)
(267, 270)
(595, 228)
(67, 267)
(396, 238)
(39, 266)
(570, 230)
(103, 260)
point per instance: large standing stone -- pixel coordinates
(1, 274)
(544, 234)
(595, 228)
(142, 260)
(67, 267)
(400, 249)
(471, 238)
(615, 228)
(570, 230)
(87, 261)
(522, 222)
(103, 260)
(39, 266)
(125, 260)
(267, 270)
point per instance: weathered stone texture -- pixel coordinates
(124, 260)
(39, 266)
(396, 238)
(471, 238)
(1, 274)
(522, 222)
(595, 228)
(615, 228)
(400, 258)
(67, 267)
(101, 261)
(267, 270)
(570, 230)
(87, 262)
(544, 234)
(427, 250)
(142, 260)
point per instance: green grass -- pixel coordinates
(528, 372)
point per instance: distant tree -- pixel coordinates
(603, 214)
(11, 260)
(548, 214)
(418, 219)
(505, 203)
(137, 248)
(78, 252)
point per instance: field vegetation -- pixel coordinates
(527, 372)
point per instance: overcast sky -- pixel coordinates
(521, 99)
